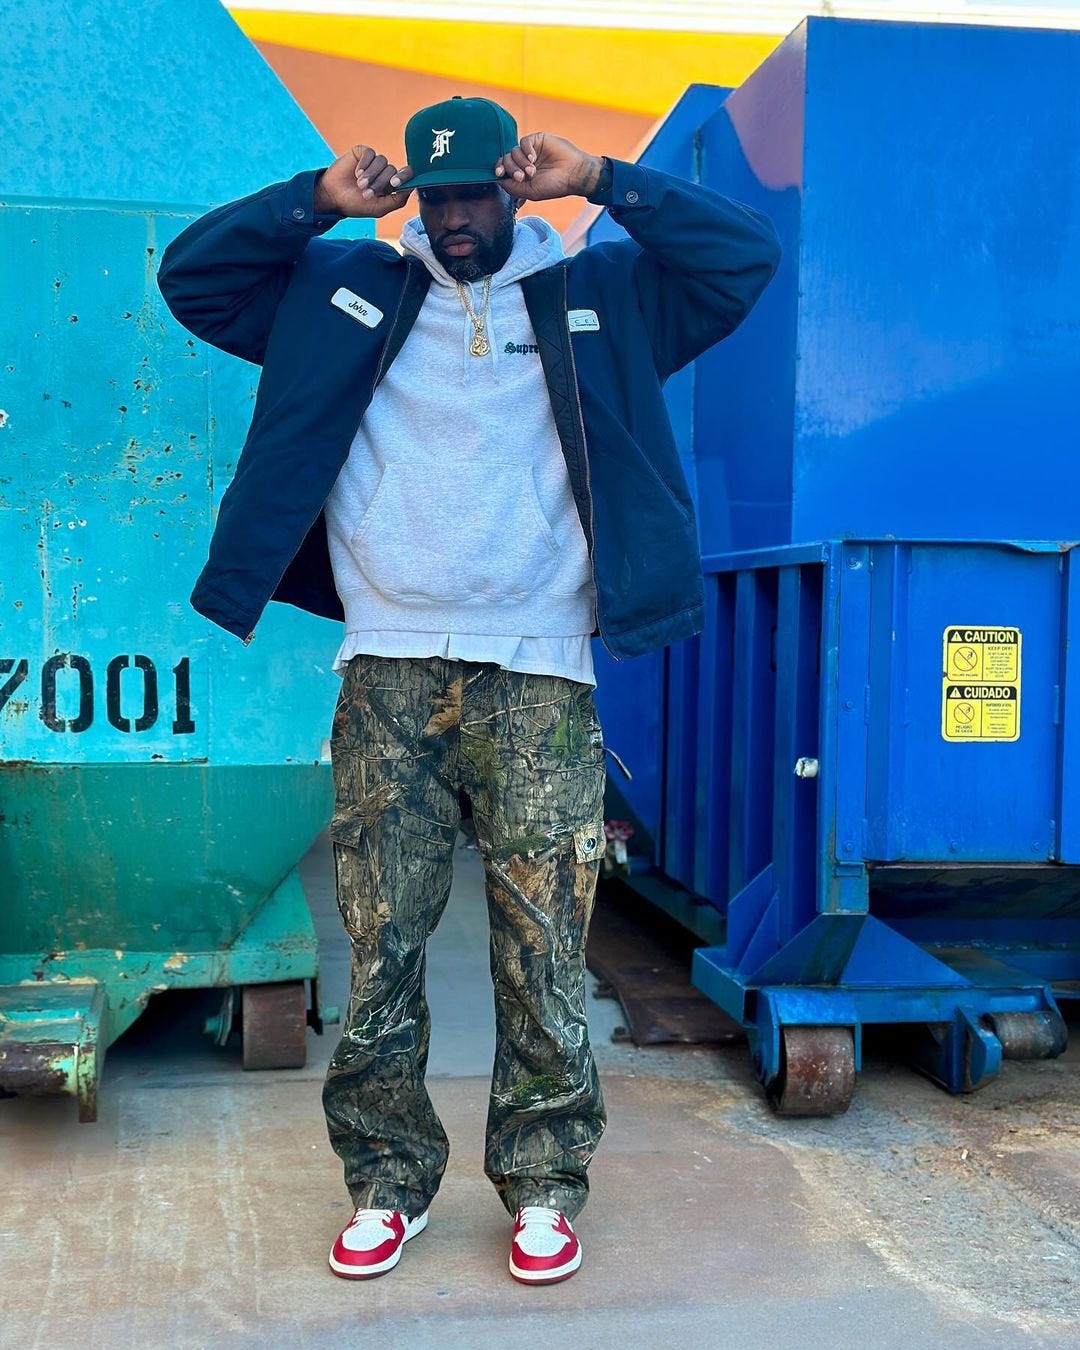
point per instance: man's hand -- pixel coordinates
(358, 184)
(542, 166)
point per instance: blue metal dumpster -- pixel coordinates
(158, 782)
(869, 756)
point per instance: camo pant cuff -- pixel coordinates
(377, 1195)
(569, 1200)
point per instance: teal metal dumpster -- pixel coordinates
(158, 781)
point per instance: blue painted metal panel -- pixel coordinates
(122, 430)
(752, 149)
(712, 805)
(150, 102)
(914, 365)
(116, 472)
(798, 640)
(631, 701)
(672, 146)
(1068, 802)
(928, 798)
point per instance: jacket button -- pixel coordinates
(631, 196)
(298, 214)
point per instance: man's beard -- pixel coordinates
(485, 259)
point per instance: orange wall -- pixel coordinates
(360, 79)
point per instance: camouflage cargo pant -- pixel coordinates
(409, 734)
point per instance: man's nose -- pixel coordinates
(455, 217)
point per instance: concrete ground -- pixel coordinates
(199, 1210)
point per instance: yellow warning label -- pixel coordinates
(980, 693)
(982, 654)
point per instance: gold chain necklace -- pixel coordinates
(479, 345)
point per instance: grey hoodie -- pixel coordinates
(452, 527)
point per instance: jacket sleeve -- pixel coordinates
(702, 259)
(223, 277)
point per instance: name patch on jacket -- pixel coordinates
(583, 321)
(363, 311)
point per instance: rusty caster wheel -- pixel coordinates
(817, 1072)
(274, 1025)
(1037, 1035)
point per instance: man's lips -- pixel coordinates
(458, 245)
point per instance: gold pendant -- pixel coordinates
(480, 346)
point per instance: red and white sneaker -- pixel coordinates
(371, 1242)
(544, 1248)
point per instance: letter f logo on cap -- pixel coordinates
(457, 141)
(441, 143)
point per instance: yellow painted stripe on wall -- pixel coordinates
(632, 70)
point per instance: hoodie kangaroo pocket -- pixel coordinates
(475, 534)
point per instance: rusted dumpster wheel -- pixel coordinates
(817, 1072)
(274, 1025)
(1037, 1035)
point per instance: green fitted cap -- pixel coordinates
(458, 141)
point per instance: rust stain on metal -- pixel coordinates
(43, 556)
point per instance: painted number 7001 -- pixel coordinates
(15, 672)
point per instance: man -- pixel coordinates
(463, 452)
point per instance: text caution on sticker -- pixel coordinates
(980, 690)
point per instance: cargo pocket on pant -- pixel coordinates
(351, 880)
(346, 827)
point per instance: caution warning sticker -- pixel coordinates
(982, 654)
(980, 694)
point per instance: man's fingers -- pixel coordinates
(379, 183)
(402, 177)
(519, 164)
(365, 179)
(364, 155)
(523, 166)
(533, 144)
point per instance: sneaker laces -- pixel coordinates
(542, 1231)
(372, 1216)
(538, 1214)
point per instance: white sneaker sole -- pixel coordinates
(412, 1228)
(546, 1276)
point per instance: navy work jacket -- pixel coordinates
(253, 278)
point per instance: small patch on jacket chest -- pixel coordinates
(356, 307)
